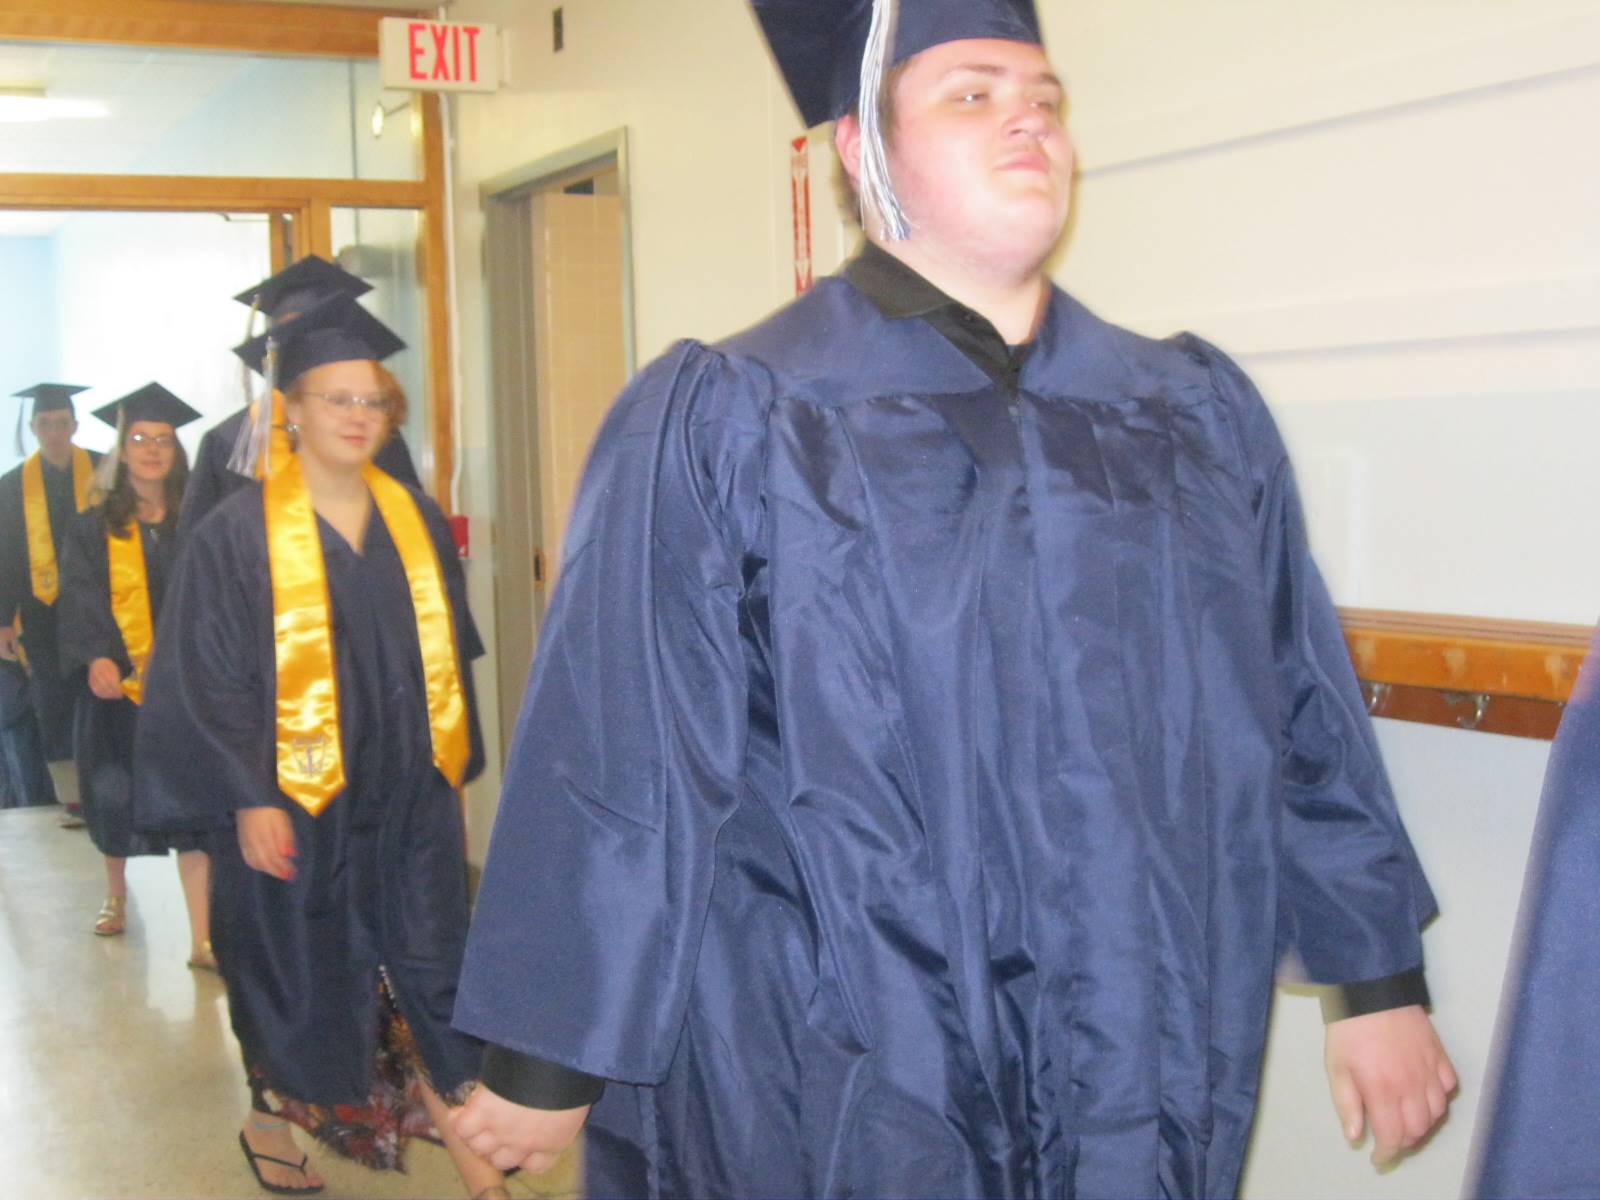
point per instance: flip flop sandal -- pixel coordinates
(112, 918)
(277, 1189)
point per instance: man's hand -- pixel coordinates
(509, 1135)
(8, 642)
(1389, 1070)
(105, 679)
(266, 839)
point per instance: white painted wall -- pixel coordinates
(1384, 208)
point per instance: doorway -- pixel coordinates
(557, 262)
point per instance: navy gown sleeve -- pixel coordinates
(85, 628)
(204, 745)
(628, 752)
(1352, 896)
(13, 546)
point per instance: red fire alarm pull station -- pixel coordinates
(438, 56)
(462, 532)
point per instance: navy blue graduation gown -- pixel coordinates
(211, 482)
(1537, 1128)
(104, 729)
(915, 791)
(52, 688)
(381, 874)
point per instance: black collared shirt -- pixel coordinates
(899, 292)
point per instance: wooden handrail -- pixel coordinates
(1496, 676)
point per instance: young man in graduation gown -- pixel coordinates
(940, 731)
(286, 294)
(37, 501)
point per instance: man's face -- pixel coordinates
(979, 154)
(54, 431)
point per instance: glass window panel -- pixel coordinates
(382, 246)
(181, 112)
(115, 300)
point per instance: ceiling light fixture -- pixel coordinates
(20, 104)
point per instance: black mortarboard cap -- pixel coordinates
(336, 329)
(152, 402)
(49, 397)
(819, 44)
(299, 286)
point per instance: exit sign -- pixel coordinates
(438, 56)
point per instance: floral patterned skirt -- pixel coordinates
(375, 1132)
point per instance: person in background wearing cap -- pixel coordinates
(940, 730)
(22, 760)
(310, 701)
(37, 500)
(115, 563)
(281, 296)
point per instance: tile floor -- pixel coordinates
(119, 1075)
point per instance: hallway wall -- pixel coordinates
(1384, 210)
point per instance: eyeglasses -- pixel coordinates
(377, 402)
(162, 441)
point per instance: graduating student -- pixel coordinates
(310, 700)
(37, 501)
(281, 296)
(115, 563)
(940, 731)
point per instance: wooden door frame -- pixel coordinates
(262, 29)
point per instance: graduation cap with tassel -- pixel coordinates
(46, 397)
(152, 402)
(834, 53)
(283, 296)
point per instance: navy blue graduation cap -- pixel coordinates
(299, 286)
(46, 397)
(819, 45)
(335, 329)
(832, 52)
(49, 397)
(152, 402)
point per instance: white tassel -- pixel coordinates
(877, 190)
(253, 447)
(242, 458)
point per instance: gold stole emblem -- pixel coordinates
(309, 751)
(46, 580)
(130, 605)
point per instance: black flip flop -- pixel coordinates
(277, 1189)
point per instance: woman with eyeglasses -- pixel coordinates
(116, 560)
(315, 704)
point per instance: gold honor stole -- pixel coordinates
(309, 750)
(130, 605)
(46, 579)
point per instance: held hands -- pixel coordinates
(105, 679)
(8, 642)
(266, 839)
(509, 1135)
(1389, 1070)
